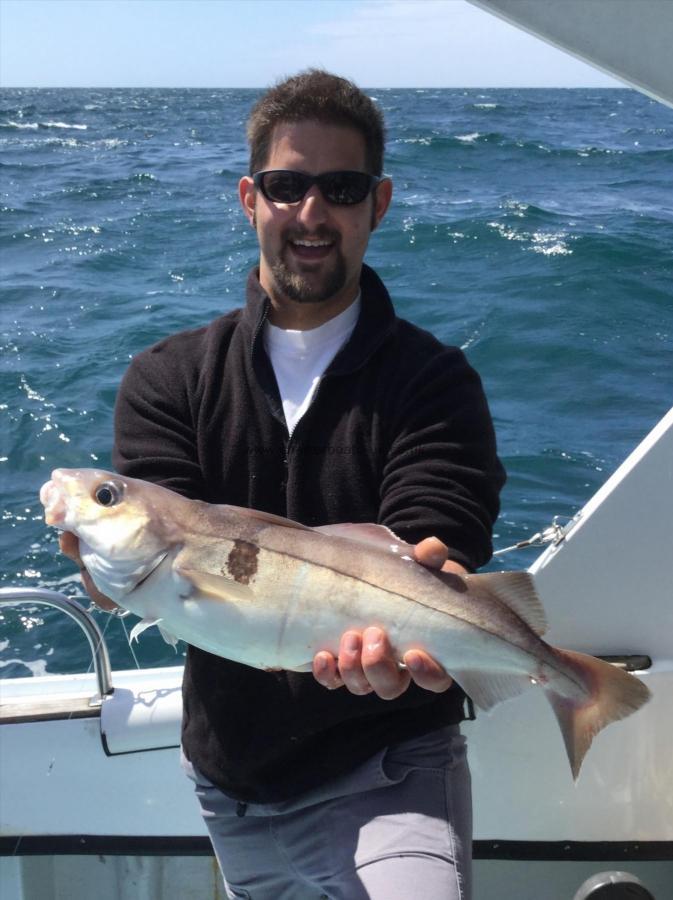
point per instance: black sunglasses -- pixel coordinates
(342, 188)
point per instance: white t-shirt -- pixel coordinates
(299, 358)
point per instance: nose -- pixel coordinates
(312, 210)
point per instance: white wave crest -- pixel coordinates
(37, 668)
(63, 125)
(545, 242)
(33, 126)
(550, 243)
(426, 141)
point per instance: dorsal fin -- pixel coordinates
(517, 591)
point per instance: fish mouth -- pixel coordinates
(51, 497)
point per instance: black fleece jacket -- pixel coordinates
(398, 433)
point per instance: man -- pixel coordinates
(317, 403)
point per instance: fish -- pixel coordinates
(270, 593)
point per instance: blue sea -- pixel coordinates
(533, 228)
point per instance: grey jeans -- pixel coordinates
(398, 826)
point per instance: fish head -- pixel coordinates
(124, 525)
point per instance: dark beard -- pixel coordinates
(297, 288)
(294, 286)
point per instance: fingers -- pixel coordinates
(452, 566)
(426, 672)
(380, 665)
(431, 552)
(69, 544)
(347, 669)
(326, 671)
(98, 598)
(365, 664)
(350, 663)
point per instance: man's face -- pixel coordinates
(312, 251)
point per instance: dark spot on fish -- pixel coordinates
(242, 561)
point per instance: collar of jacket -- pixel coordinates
(374, 324)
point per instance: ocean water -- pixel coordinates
(534, 228)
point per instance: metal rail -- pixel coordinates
(101, 661)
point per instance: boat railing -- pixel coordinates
(12, 596)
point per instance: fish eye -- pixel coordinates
(108, 494)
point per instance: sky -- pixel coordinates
(252, 43)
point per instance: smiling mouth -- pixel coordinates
(306, 249)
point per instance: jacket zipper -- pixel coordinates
(288, 443)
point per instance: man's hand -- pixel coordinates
(366, 662)
(69, 544)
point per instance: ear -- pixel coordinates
(246, 194)
(382, 197)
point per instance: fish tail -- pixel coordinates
(610, 694)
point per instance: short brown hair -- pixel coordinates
(317, 96)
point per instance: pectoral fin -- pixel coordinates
(141, 626)
(215, 587)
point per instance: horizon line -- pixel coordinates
(420, 87)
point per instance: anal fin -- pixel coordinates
(486, 690)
